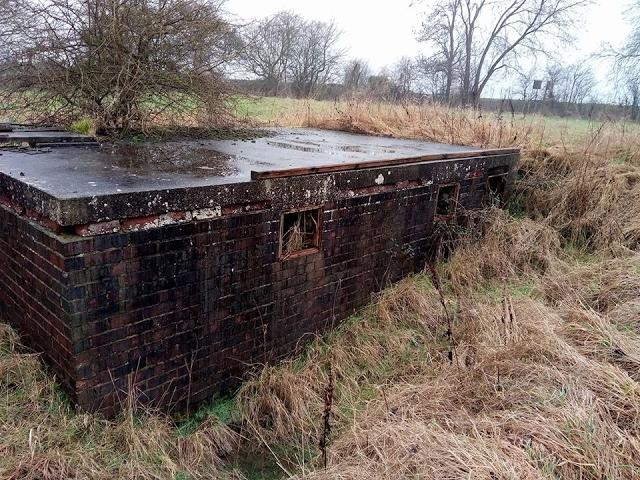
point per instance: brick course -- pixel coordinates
(184, 310)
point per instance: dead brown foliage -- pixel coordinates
(508, 250)
(41, 438)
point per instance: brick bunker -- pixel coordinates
(176, 266)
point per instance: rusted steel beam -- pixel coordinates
(296, 172)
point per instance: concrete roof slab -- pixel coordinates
(55, 179)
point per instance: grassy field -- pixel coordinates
(516, 358)
(272, 110)
(293, 112)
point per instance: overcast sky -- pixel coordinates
(381, 31)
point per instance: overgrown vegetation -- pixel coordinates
(42, 438)
(124, 65)
(522, 364)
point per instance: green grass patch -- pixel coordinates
(579, 254)
(271, 109)
(222, 408)
(83, 126)
(258, 465)
(496, 292)
(516, 207)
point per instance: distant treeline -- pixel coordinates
(587, 110)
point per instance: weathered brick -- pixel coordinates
(190, 306)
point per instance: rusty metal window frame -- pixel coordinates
(456, 197)
(317, 238)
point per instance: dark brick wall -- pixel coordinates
(183, 311)
(34, 291)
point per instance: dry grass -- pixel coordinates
(543, 383)
(542, 318)
(531, 397)
(42, 438)
(508, 250)
(534, 391)
(428, 122)
(598, 206)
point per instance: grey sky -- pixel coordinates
(381, 31)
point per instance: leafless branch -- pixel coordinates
(474, 40)
(125, 63)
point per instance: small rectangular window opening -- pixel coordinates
(299, 232)
(496, 185)
(447, 200)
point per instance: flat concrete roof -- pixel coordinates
(78, 172)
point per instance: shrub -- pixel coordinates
(122, 64)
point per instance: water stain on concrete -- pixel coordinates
(173, 157)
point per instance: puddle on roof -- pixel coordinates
(171, 158)
(306, 146)
(352, 148)
(300, 146)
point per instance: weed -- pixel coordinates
(84, 126)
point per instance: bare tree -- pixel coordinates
(315, 58)
(627, 67)
(523, 84)
(628, 72)
(5, 22)
(578, 83)
(632, 95)
(571, 84)
(631, 49)
(124, 63)
(356, 75)
(526, 87)
(491, 33)
(516, 24)
(380, 85)
(11, 17)
(404, 79)
(286, 50)
(433, 78)
(269, 48)
(554, 74)
(441, 29)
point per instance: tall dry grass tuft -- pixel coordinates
(428, 122)
(42, 438)
(601, 283)
(286, 401)
(527, 402)
(597, 206)
(508, 249)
